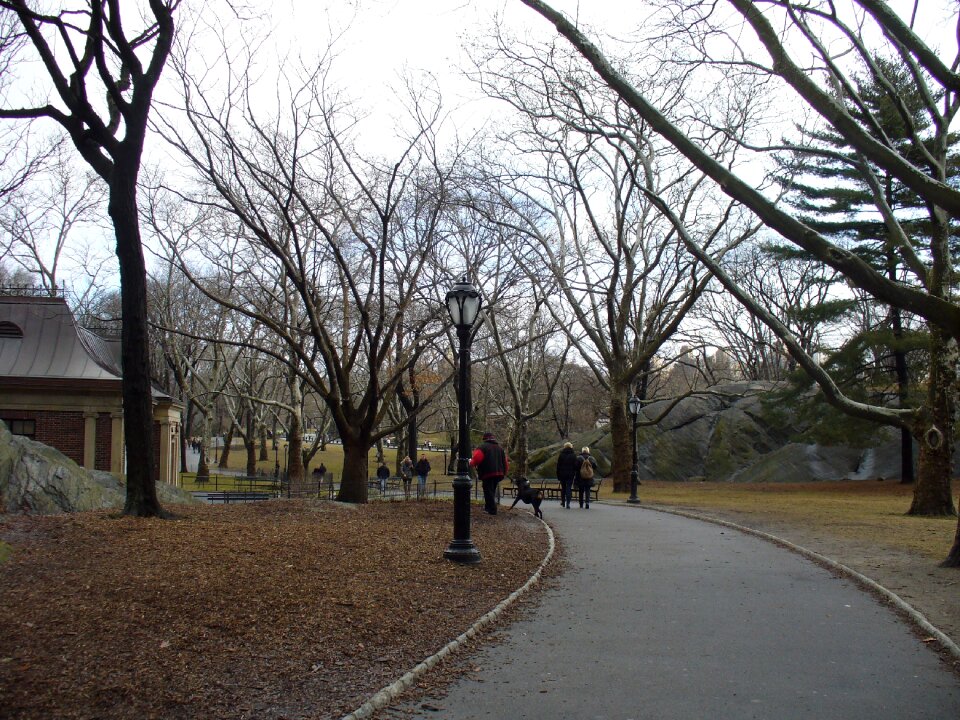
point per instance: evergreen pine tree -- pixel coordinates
(827, 183)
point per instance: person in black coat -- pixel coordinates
(423, 467)
(584, 483)
(383, 473)
(492, 465)
(566, 472)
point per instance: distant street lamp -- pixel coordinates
(463, 303)
(634, 404)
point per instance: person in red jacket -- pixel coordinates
(492, 464)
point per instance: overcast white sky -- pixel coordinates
(381, 39)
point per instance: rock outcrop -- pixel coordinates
(727, 435)
(38, 479)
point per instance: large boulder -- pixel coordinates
(38, 479)
(729, 434)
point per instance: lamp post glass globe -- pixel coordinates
(634, 404)
(463, 303)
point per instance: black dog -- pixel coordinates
(529, 495)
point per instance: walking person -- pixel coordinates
(383, 472)
(566, 473)
(406, 474)
(423, 467)
(492, 464)
(586, 469)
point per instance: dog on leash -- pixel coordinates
(529, 495)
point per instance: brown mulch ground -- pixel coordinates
(284, 609)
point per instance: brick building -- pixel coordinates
(60, 384)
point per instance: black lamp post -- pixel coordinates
(463, 303)
(634, 405)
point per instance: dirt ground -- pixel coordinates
(284, 609)
(296, 609)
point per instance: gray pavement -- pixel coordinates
(666, 617)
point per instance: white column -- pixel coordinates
(116, 444)
(90, 440)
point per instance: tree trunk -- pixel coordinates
(519, 462)
(620, 435)
(250, 445)
(185, 434)
(296, 472)
(227, 443)
(203, 471)
(412, 438)
(353, 482)
(141, 499)
(901, 371)
(264, 454)
(295, 469)
(934, 431)
(953, 559)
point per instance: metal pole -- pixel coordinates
(461, 548)
(634, 470)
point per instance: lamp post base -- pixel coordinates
(463, 552)
(461, 548)
(634, 481)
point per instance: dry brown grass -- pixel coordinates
(862, 511)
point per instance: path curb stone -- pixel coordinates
(388, 694)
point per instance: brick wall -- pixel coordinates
(62, 430)
(104, 436)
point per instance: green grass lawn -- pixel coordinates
(332, 457)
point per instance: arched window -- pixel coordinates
(10, 330)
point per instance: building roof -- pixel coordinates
(52, 345)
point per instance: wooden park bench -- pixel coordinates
(550, 487)
(233, 496)
(553, 491)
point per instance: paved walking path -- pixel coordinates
(666, 617)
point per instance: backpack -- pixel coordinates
(586, 469)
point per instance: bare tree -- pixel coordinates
(838, 43)
(80, 51)
(616, 275)
(354, 239)
(189, 328)
(521, 336)
(41, 215)
(791, 288)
